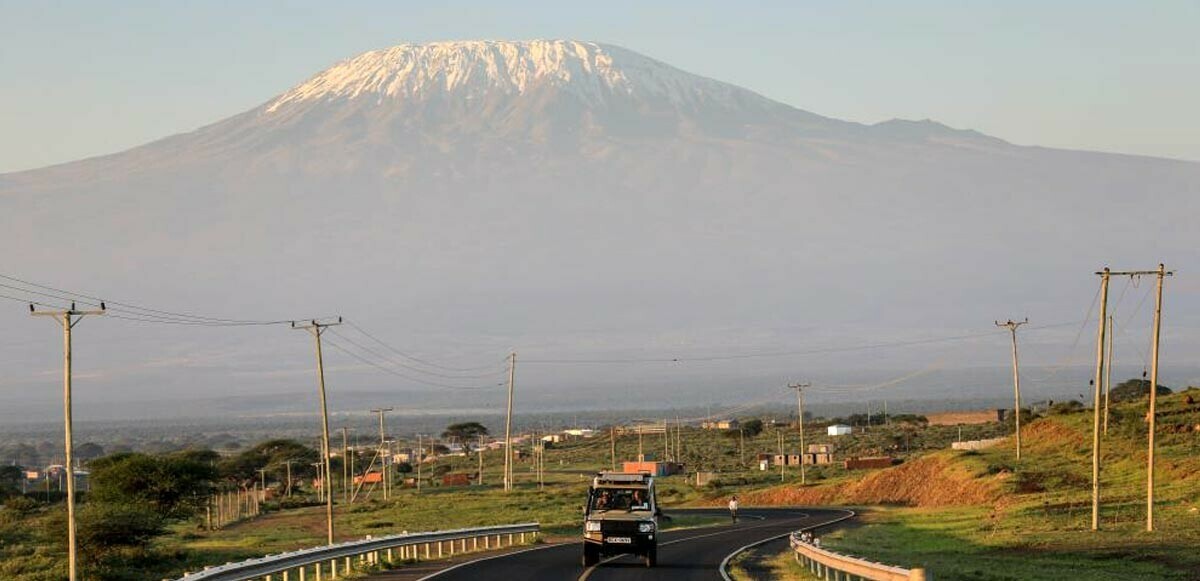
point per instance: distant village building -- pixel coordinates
(857, 463)
(839, 430)
(654, 468)
(965, 417)
(720, 425)
(580, 432)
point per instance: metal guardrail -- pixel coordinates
(827, 564)
(345, 557)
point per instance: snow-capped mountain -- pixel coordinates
(579, 198)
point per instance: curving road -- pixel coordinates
(682, 555)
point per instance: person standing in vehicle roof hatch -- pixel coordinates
(733, 508)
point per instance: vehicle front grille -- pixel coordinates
(618, 527)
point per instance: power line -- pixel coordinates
(391, 371)
(133, 309)
(414, 358)
(410, 367)
(817, 351)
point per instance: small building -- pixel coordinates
(839, 430)
(720, 425)
(869, 463)
(552, 438)
(369, 478)
(820, 448)
(580, 432)
(965, 417)
(654, 468)
(456, 479)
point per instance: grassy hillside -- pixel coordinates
(1034, 521)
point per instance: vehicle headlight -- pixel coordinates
(592, 526)
(645, 527)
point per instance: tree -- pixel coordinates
(1134, 389)
(105, 526)
(10, 479)
(465, 431)
(173, 486)
(271, 455)
(749, 428)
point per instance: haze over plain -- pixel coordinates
(576, 200)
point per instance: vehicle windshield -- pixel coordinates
(620, 499)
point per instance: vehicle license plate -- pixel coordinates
(619, 540)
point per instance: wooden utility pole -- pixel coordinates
(345, 467)
(289, 478)
(612, 447)
(1104, 277)
(508, 453)
(742, 447)
(481, 446)
(799, 387)
(316, 329)
(68, 319)
(1108, 363)
(1161, 274)
(383, 465)
(262, 473)
(420, 460)
(782, 455)
(1012, 329)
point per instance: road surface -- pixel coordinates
(691, 554)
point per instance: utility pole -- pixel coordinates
(742, 447)
(289, 478)
(383, 467)
(68, 319)
(1162, 273)
(508, 454)
(782, 455)
(481, 459)
(1105, 275)
(799, 387)
(316, 329)
(262, 473)
(1108, 359)
(420, 460)
(1012, 329)
(612, 446)
(346, 471)
(641, 456)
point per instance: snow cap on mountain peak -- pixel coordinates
(471, 69)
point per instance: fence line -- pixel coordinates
(335, 561)
(832, 566)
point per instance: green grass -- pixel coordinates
(1041, 527)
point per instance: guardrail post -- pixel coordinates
(333, 568)
(427, 550)
(916, 574)
(474, 543)
(522, 538)
(487, 542)
(317, 570)
(348, 565)
(285, 575)
(301, 571)
(389, 555)
(510, 539)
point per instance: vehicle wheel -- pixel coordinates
(591, 555)
(652, 557)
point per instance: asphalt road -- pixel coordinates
(682, 555)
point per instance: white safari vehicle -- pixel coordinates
(621, 517)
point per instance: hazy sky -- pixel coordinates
(83, 79)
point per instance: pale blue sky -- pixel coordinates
(89, 78)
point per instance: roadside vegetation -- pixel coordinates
(961, 514)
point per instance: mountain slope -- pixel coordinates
(574, 198)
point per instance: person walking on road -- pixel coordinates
(733, 508)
